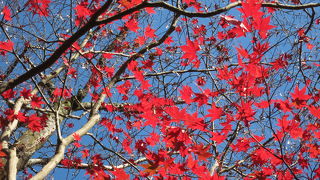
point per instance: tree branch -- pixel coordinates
(57, 54)
(39, 161)
(203, 15)
(13, 164)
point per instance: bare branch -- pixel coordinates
(57, 54)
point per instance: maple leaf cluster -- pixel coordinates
(39, 7)
(132, 98)
(252, 20)
(190, 52)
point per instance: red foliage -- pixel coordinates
(36, 101)
(6, 47)
(190, 52)
(209, 98)
(26, 93)
(299, 98)
(6, 13)
(36, 123)
(9, 94)
(39, 7)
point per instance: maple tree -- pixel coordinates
(180, 89)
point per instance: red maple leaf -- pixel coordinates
(284, 123)
(168, 41)
(145, 85)
(108, 70)
(230, 20)
(76, 137)
(178, 29)
(201, 151)
(39, 7)
(243, 144)
(6, 13)
(263, 25)
(201, 81)
(194, 122)
(258, 51)
(281, 62)
(264, 173)
(141, 40)
(176, 138)
(77, 144)
(73, 72)
(189, 1)
(186, 93)
(67, 162)
(215, 112)
(85, 153)
(262, 104)
(151, 168)
(10, 115)
(242, 51)
(26, 93)
(224, 73)
(141, 146)
(151, 118)
(153, 139)
(176, 114)
(260, 156)
(309, 46)
(58, 92)
(290, 126)
(5, 47)
(149, 32)
(218, 137)
(21, 117)
(150, 10)
(124, 88)
(36, 101)
(314, 111)
(35, 123)
(2, 154)
(97, 171)
(245, 112)
(251, 8)
(82, 11)
(201, 98)
(126, 145)
(120, 174)
(283, 105)
(8, 94)
(107, 55)
(190, 50)
(132, 25)
(108, 124)
(70, 125)
(299, 98)
(147, 64)
(295, 131)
